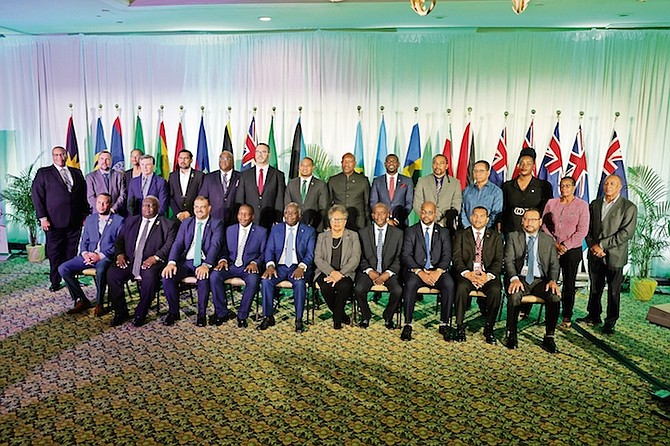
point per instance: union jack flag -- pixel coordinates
(499, 166)
(551, 168)
(577, 168)
(249, 151)
(528, 143)
(614, 165)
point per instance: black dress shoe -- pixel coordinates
(406, 334)
(364, 323)
(588, 320)
(389, 324)
(512, 341)
(266, 323)
(54, 288)
(242, 323)
(608, 328)
(119, 319)
(229, 316)
(201, 321)
(299, 326)
(346, 320)
(138, 321)
(460, 335)
(170, 319)
(443, 329)
(337, 325)
(549, 344)
(489, 337)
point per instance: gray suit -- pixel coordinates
(317, 201)
(95, 184)
(449, 200)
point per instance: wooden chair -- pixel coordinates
(238, 282)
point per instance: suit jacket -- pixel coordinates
(179, 202)
(413, 253)
(253, 249)
(401, 206)
(95, 184)
(390, 249)
(90, 235)
(463, 257)
(268, 207)
(223, 205)
(354, 194)
(159, 240)
(157, 188)
(515, 255)
(316, 203)
(449, 200)
(305, 242)
(351, 253)
(51, 199)
(614, 231)
(212, 239)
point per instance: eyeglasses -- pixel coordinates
(340, 219)
(531, 219)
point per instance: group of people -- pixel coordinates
(345, 236)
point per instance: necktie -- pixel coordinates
(426, 239)
(139, 250)
(145, 186)
(439, 185)
(380, 244)
(260, 182)
(303, 190)
(531, 260)
(241, 243)
(391, 188)
(224, 183)
(66, 179)
(478, 250)
(105, 176)
(288, 260)
(197, 256)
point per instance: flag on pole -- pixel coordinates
(466, 157)
(499, 166)
(382, 150)
(179, 146)
(71, 146)
(447, 153)
(202, 156)
(551, 168)
(139, 135)
(272, 144)
(412, 166)
(227, 139)
(577, 167)
(117, 146)
(100, 143)
(427, 157)
(528, 143)
(614, 166)
(358, 149)
(162, 168)
(249, 151)
(297, 149)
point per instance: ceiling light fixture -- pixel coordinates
(419, 6)
(519, 6)
(265, 19)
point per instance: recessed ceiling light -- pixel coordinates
(265, 19)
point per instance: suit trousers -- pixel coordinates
(149, 286)
(598, 273)
(72, 267)
(445, 285)
(492, 289)
(251, 283)
(552, 303)
(569, 266)
(61, 246)
(170, 287)
(299, 290)
(336, 297)
(362, 288)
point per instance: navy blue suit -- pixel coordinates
(223, 205)
(92, 241)
(158, 188)
(403, 197)
(212, 239)
(253, 252)
(305, 241)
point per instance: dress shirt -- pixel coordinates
(183, 180)
(190, 255)
(144, 222)
(481, 233)
(265, 174)
(607, 206)
(376, 236)
(537, 258)
(303, 179)
(65, 171)
(145, 188)
(489, 196)
(282, 258)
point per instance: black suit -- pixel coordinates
(184, 202)
(390, 262)
(223, 204)
(268, 206)
(464, 249)
(316, 204)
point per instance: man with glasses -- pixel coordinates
(482, 193)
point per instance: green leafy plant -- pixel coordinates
(324, 166)
(652, 234)
(18, 195)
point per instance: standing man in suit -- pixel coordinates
(147, 184)
(96, 250)
(289, 256)
(59, 196)
(613, 222)
(220, 187)
(482, 193)
(395, 191)
(352, 190)
(477, 265)
(425, 257)
(193, 253)
(262, 188)
(106, 180)
(311, 193)
(441, 189)
(184, 185)
(141, 249)
(241, 256)
(531, 267)
(381, 244)
(134, 170)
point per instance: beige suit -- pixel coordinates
(450, 196)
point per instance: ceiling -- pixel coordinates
(35, 17)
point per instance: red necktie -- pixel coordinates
(391, 188)
(260, 182)
(478, 250)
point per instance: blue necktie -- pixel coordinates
(531, 260)
(197, 256)
(288, 260)
(105, 176)
(380, 243)
(426, 238)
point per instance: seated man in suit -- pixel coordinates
(145, 185)
(425, 257)
(184, 185)
(109, 181)
(441, 189)
(311, 193)
(531, 267)
(477, 263)
(141, 249)
(289, 256)
(220, 187)
(193, 253)
(381, 244)
(96, 249)
(395, 191)
(241, 256)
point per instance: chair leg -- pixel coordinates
(539, 314)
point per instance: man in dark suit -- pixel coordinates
(613, 222)
(106, 180)
(289, 255)
(262, 188)
(141, 249)
(381, 244)
(395, 191)
(425, 258)
(220, 187)
(184, 185)
(147, 184)
(352, 190)
(194, 253)
(241, 256)
(59, 197)
(477, 264)
(311, 193)
(96, 250)
(531, 267)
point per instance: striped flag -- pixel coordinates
(202, 156)
(551, 168)
(358, 149)
(528, 143)
(100, 143)
(412, 166)
(71, 146)
(614, 166)
(249, 151)
(297, 150)
(466, 157)
(499, 165)
(116, 148)
(139, 135)
(577, 167)
(179, 146)
(382, 150)
(272, 144)
(448, 153)
(162, 168)
(227, 139)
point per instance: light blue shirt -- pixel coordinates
(490, 196)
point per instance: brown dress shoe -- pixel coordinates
(99, 310)
(80, 307)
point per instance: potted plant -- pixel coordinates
(652, 234)
(18, 195)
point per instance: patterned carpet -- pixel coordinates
(74, 380)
